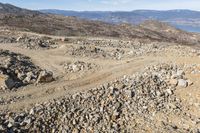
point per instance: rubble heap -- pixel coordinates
(77, 66)
(30, 42)
(96, 52)
(17, 70)
(126, 105)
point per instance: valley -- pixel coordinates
(71, 75)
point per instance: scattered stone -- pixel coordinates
(77, 66)
(113, 107)
(182, 83)
(169, 91)
(96, 52)
(31, 112)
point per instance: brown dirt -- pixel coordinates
(110, 70)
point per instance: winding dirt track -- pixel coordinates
(51, 60)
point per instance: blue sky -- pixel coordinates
(103, 5)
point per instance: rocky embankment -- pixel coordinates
(29, 41)
(17, 70)
(132, 103)
(95, 52)
(117, 49)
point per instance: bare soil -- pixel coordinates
(109, 70)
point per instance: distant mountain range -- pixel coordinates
(15, 18)
(184, 19)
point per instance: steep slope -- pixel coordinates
(14, 17)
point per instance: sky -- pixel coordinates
(106, 5)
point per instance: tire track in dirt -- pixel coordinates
(61, 88)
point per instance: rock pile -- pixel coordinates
(90, 48)
(137, 47)
(172, 74)
(125, 105)
(95, 52)
(87, 51)
(78, 66)
(30, 42)
(17, 70)
(115, 43)
(34, 42)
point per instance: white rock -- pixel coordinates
(9, 125)
(31, 112)
(169, 91)
(182, 83)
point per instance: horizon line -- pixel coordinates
(114, 10)
(139, 9)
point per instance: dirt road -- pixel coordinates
(52, 60)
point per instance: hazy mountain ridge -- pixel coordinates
(183, 19)
(11, 9)
(34, 21)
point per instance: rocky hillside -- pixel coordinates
(183, 19)
(14, 17)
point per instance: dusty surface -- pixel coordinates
(110, 70)
(106, 69)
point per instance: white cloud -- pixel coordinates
(114, 2)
